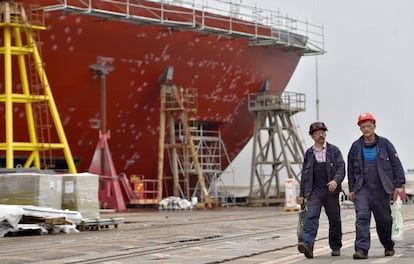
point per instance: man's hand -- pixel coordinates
(399, 191)
(332, 185)
(351, 196)
(300, 200)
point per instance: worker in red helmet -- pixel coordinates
(366, 116)
(323, 171)
(374, 174)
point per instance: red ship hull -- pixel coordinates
(224, 70)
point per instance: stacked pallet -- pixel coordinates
(34, 220)
(77, 192)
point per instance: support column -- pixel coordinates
(277, 149)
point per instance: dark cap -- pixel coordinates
(317, 125)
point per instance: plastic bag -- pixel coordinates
(301, 223)
(397, 220)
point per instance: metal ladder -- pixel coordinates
(41, 113)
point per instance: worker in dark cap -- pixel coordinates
(375, 173)
(323, 171)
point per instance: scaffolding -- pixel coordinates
(211, 152)
(22, 58)
(195, 149)
(178, 108)
(260, 26)
(277, 149)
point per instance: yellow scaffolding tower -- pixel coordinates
(14, 24)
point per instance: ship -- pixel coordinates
(224, 50)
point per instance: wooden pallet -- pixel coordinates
(99, 224)
(29, 219)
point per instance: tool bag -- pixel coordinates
(397, 220)
(301, 223)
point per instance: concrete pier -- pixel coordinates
(248, 235)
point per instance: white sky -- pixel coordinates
(367, 67)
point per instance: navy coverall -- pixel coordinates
(313, 186)
(374, 182)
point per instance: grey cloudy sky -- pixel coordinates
(367, 67)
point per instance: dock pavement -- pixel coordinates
(242, 235)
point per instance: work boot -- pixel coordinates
(360, 255)
(335, 253)
(389, 252)
(305, 250)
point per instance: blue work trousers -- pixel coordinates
(314, 204)
(372, 198)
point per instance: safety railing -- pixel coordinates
(287, 101)
(261, 26)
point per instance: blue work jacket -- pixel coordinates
(389, 166)
(335, 166)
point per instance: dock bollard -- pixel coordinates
(290, 195)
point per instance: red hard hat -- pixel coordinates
(366, 116)
(317, 125)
